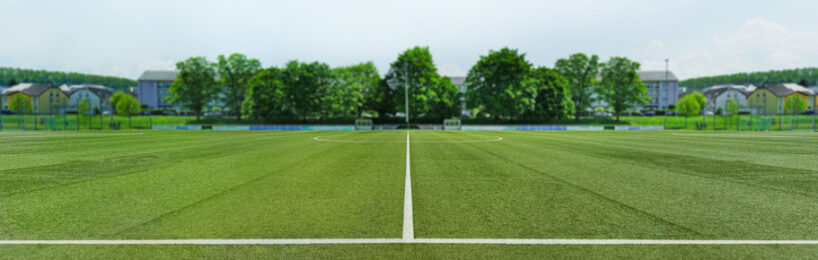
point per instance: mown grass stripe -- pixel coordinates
(484, 241)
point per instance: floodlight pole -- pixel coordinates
(406, 92)
(667, 85)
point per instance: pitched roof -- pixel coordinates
(785, 89)
(66, 89)
(158, 75)
(657, 75)
(30, 89)
(750, 89)
(100, 91)
(715, 91)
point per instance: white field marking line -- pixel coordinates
(408, 222)
(277, 135)
(319, 138)
(497, 241)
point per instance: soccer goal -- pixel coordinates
(363, 124)
(451, 124)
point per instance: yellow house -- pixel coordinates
(770, 98)
(44, 98)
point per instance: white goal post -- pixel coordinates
(363, 124)
(451, 124)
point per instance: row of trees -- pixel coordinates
(301, 90)
(504, 84)
(501, 85)
(804, 76)
(615, 82)
(12, 76)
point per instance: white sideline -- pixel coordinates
(499, 241)
(408, 223)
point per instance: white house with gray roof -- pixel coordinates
(717, 96)
(98, 96)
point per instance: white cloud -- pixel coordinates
(757, 45)
(451, 69)
(655, 47)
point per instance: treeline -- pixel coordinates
(803, 76)
(12, 76)
(503, 85)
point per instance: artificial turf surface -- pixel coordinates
(631, 185)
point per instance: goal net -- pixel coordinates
(451, 124)
(363, 124)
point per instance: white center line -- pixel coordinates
(408, 223)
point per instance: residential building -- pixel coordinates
(663, 88)
(44, 98)
(2, 102)
(717, 97)
(769, 99)
(814, 98)
(97, 96)
(152, 88)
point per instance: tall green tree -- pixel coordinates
(621, 87)
(699, 98)
(195, 85)
(84, 107)
(381, 100)
(84, 110)
(19, 104)
(581, 73)
(267, 97)
(416, 68)
(128, 106)
(795, 105)
(496, 84)
(114, 100)
(306, 85)
(731, 107)
(691, 105)
(351, 88)
(552, 99)
(445, 100)
(234, 73)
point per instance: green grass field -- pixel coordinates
(469, 184)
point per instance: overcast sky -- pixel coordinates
(124, 38)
